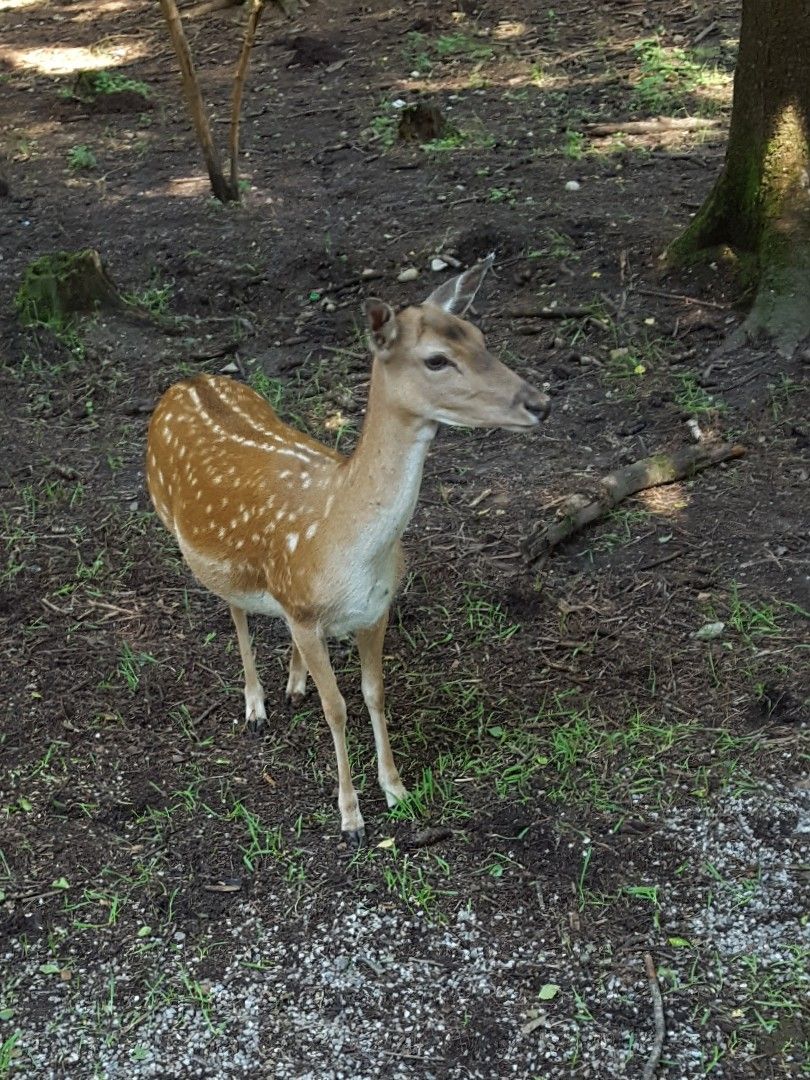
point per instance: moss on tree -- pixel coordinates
(758, 213)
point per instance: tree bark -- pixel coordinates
(222, 190)
(760, 206)
(239, 85)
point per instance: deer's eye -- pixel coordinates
(437, 362)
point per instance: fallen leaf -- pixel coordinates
(548, 991)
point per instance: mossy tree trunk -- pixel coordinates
(760, 205)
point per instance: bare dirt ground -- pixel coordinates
(591, 781)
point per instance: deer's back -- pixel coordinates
(240, 489)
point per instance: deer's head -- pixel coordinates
(435, 365)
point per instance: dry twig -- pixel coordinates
(658, 1012)
(580, 509)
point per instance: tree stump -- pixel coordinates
(421, 122)
(56, 288)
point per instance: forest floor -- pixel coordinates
(593, 779)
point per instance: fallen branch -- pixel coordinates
(580, 509)
(651, 127)
(658, 1013)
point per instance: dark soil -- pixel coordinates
(591, 780)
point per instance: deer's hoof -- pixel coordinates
(355, 838)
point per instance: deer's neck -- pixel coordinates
(384, 474)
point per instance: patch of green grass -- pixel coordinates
(155, 298)
(623, 524)
(460, 44)
(613, 769)
(264, 841)
(486, 621)
(8, 1052)
(752, 620)
(422, 53)
(92, 84)
(574, 147)
(780, 395)
(271, 389)
(668, 76)
(415, 880)
(625, 363)
(130, 666)
(435, 794)
(416, 53)
(81, 157)
(557, 247)
(692, 398)
(383, 128)
(502, 195)
(473, 137)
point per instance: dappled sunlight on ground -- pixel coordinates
(666, 501)
(67, 60)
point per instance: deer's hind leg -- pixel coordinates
(297, 680)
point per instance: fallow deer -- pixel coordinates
(275, 523)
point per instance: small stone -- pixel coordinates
(573, 185)
(229, 369)
(437, 264)
(409, 274)
(368, 272)
(709, 631)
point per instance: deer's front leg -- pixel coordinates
(370, 647)
(315, 656)
(254, 694)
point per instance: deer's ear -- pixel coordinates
(456, 295)
(382, 324)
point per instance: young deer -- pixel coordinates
(275, 523)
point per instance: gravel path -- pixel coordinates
(352, 992)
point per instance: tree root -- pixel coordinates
(580, 509)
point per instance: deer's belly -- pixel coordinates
(218, 576)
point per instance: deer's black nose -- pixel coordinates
(534, 402)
